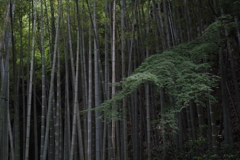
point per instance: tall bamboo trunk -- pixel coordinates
(31, 82)
(225, 105)
(67, 136)
(74, 124)
(4, 103)
(43, 84)
(89, 116)
(125, 141)
(114, 76)
(213, 127)
(51, 91)
(98, 137)
(234, 76)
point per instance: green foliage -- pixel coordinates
(181, 71)
(231, 6)
(198, 150)
(224, 153)
(129, 85)
(169, 122)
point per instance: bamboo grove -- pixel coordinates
(119, 79)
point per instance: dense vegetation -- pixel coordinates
(119, 79)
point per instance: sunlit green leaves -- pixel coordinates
(180, 71)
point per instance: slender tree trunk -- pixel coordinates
(148, 122)
(58, 110)
(74, 124)
(84, 79)
(200, 119)
(234, 76)
(43, 83)
(4, 103)
(191, 108)
(12, 152)
(189, 123)
(180, 130)
(238, 31)
(114, 77)
(89, 157)
(125, 141)
(165, 10)
(213, 128)
(187, 19)
(96, 86)
(51, 91)
(226, 115)
(5, 25)
(35, 117)
(16, 90)
(67, 136)
(31, 82)
(82, 63)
